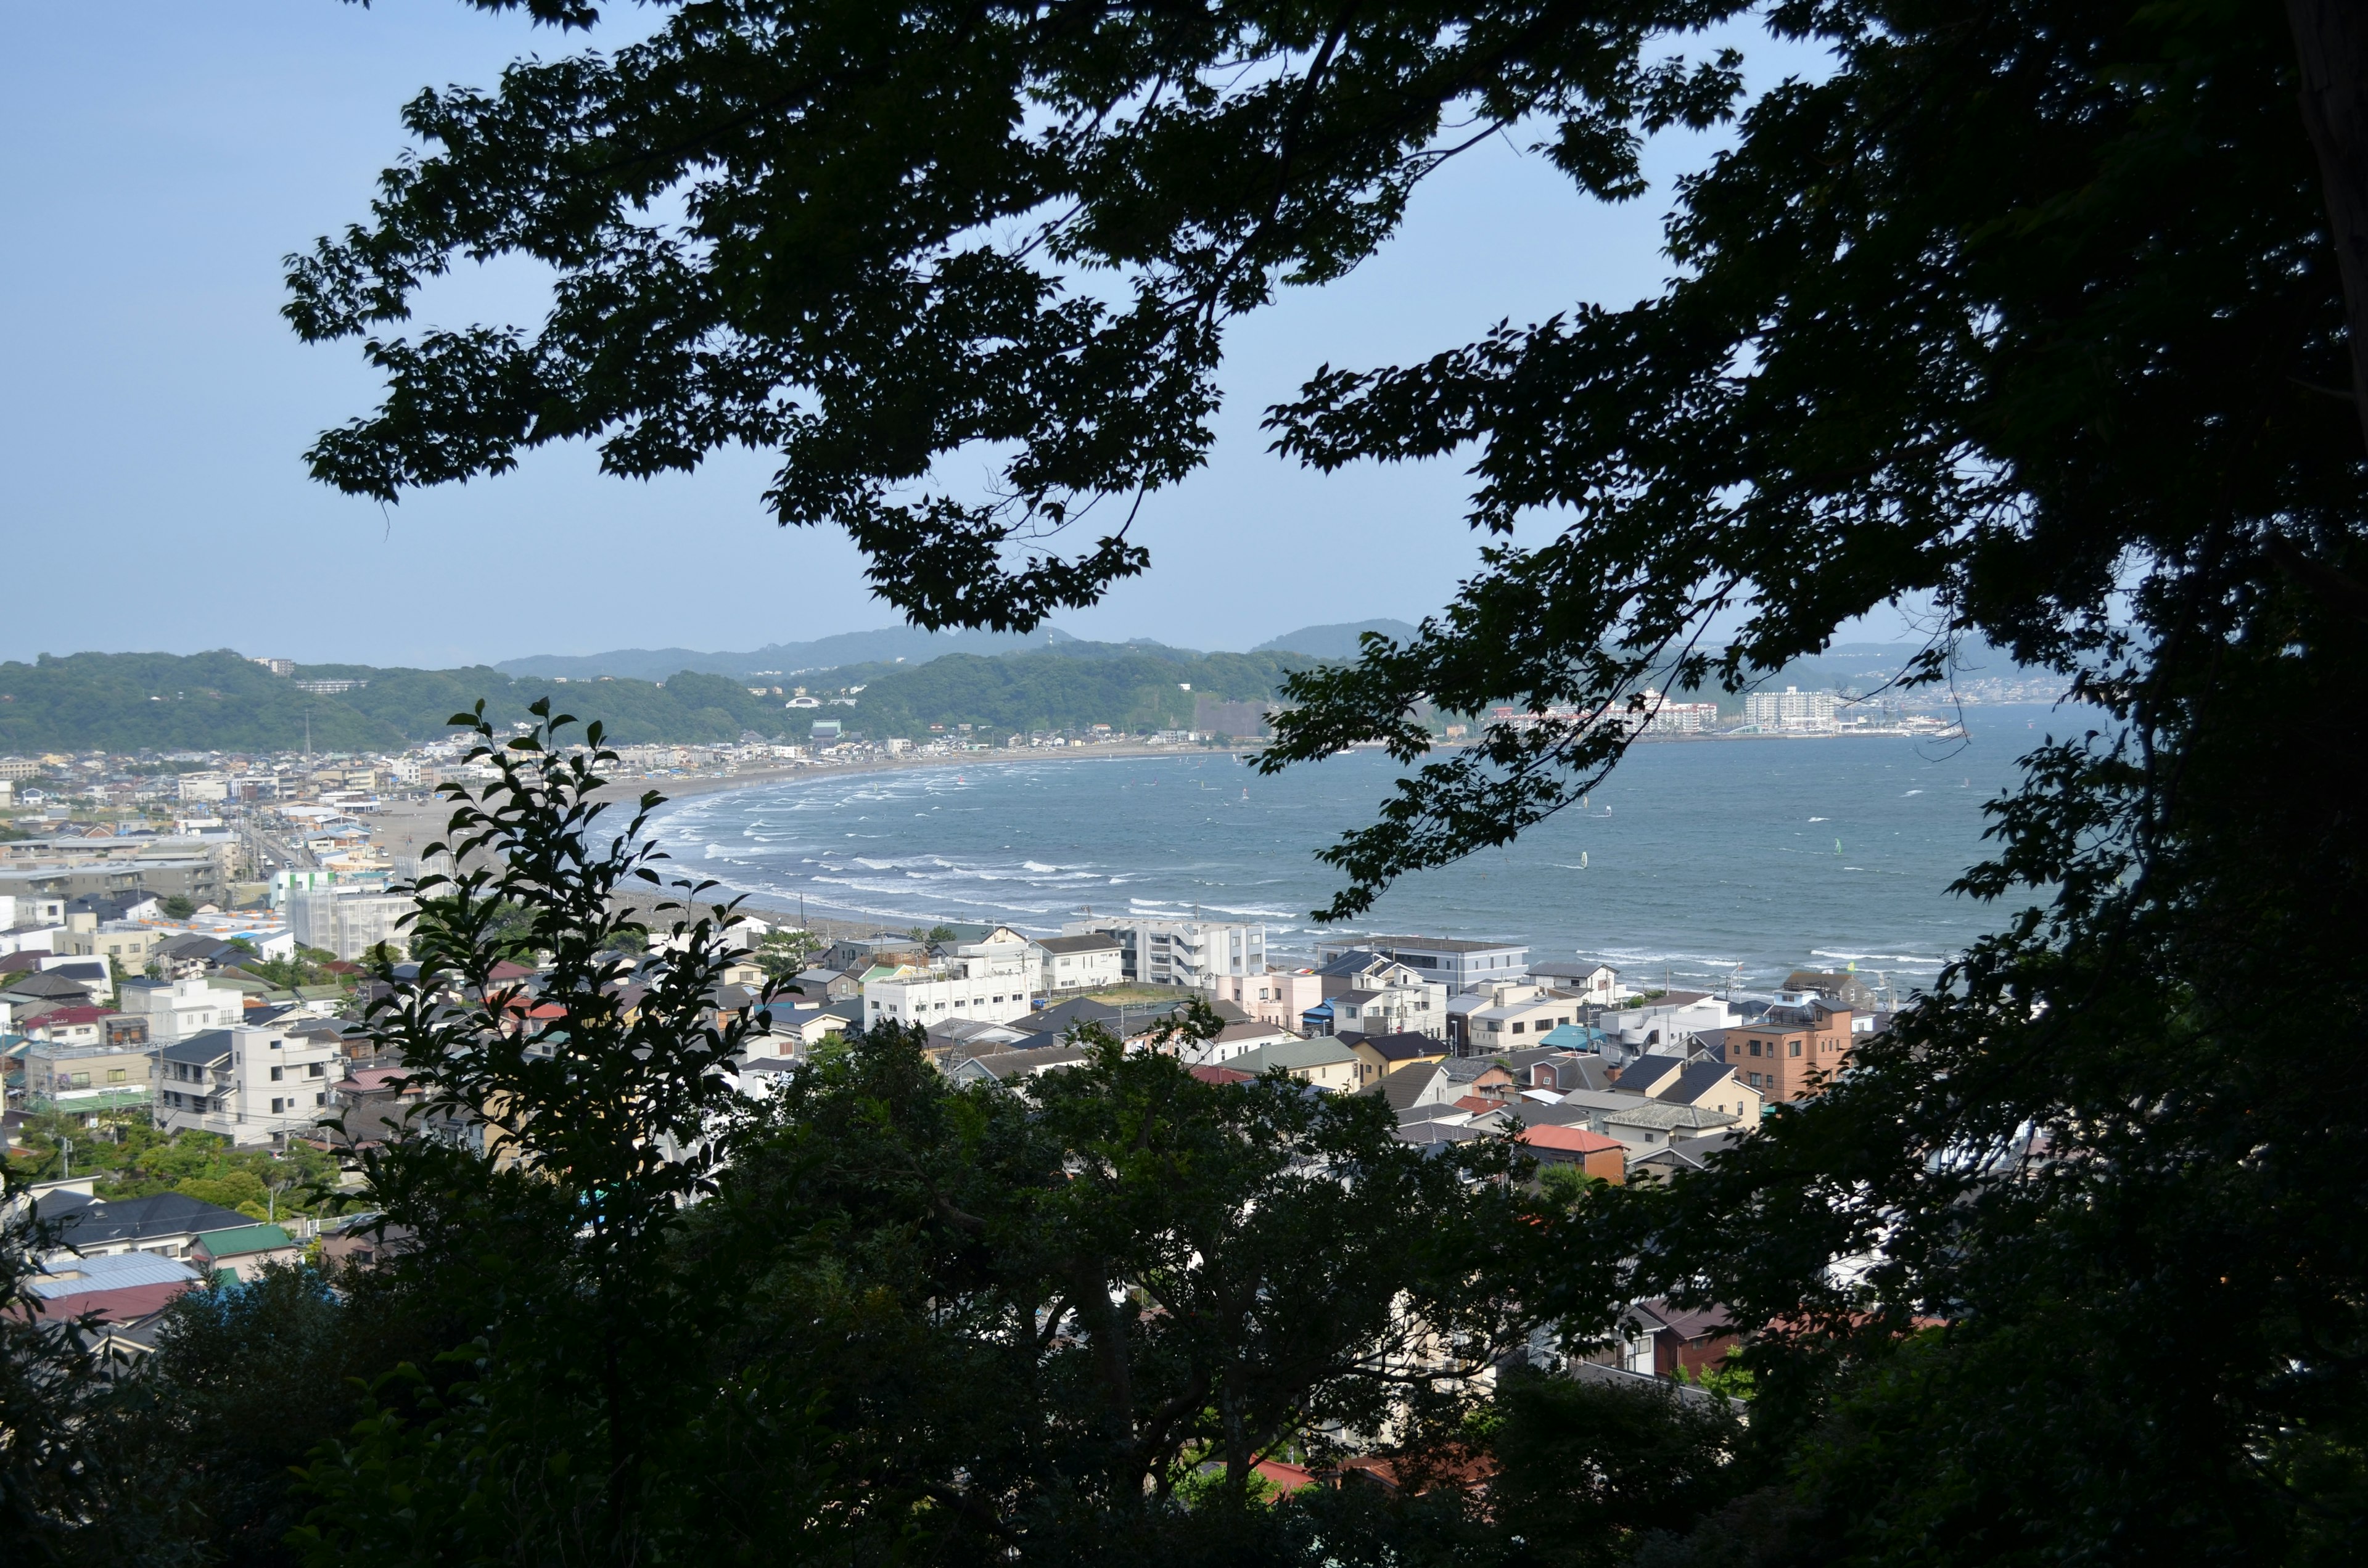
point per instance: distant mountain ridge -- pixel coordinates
(888, 645)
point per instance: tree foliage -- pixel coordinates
(2031, 314)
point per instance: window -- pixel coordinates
(115, 1075)
(1516, 1026)
(321, 1100)
(1796, 1048)
(275, 1074)
(318, 1070)
(275, 1108)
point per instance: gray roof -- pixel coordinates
(200, 1049)
(1402, 1047)
(1695, 1080)
(1439, 945)
(142, 1219)
(1664, 1118)
(1095, 943)
(117, 1273)
(1291, 1054)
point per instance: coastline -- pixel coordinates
(404, 829)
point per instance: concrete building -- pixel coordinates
(1079, 964)
(250, 1086)
(1190, 953)
(175, 1010)
(989, 981)
(1456, 964)
(1794, 711)
(83, 1078)
(1596, 984)
(348, 921)
(1791, 1050)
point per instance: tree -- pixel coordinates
(2032, 313)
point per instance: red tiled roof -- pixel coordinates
(1576, 1139)
(1219, 1075)
(70, 1015)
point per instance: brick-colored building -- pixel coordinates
(1791, 1052)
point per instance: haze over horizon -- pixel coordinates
(161, 160)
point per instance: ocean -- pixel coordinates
(1699, 864)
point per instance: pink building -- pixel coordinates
(1279, 996)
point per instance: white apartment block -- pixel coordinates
(987, 982)
(1190, 953)
(1665, 717)
(250, 1086)
(1794, 710)
(175, 1010)
(348, 921)
(1079, 964)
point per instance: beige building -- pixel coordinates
(1323, 1063)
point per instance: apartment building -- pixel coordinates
(989, 981)
(348, 921)
(1459, 965)
(1190, 953)
(1279, 997)
(1790, 1052)
(250, 1086)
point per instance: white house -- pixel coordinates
(1087, 962)
(250, 1086)
(175, 1010)
(990, 981)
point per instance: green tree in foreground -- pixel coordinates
(2049, 316)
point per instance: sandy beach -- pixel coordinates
(405, 828)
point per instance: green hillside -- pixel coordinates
(220, 702)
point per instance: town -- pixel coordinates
(187, 952)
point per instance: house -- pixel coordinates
(39, 991)
(1594, 1154)
(1689, 1340)
(1234, 1040)
(1666, 1023)
(1443, 1083)
(1279, 997)
(793, 1030)
(248, 1084)
(1322, 1063)
(127, 943)
(92, 974)
(1712, 1085)
(1512, 1016)
(121, 1287)
(1838, 987)
(1131, 1022)
(1650, 1074)
(1595, 984)
(166, 1224)
(242, 1251)
(1086, 962)
(1652, 1125)
(1554, 1069)
(956, 1038)
(175, 1010)
(1010, 1069)
(1677, 1157)
(374, 1102)
(1372, 995)
(1379, 1055)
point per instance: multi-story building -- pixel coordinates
(1190, 953)
(1079, 964)
(1369, 994)
(1665, 717)
(1458, 965)
(175, 1010)
(1279, 997)
(250, 1086)
(1794, 710)
(81, 1077)
(1512, 1017)
(348, 921)
(990, 981)
(1789, 1053)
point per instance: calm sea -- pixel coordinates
(1697, 863)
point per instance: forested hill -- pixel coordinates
(221, 701)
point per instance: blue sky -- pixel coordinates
(160, 158)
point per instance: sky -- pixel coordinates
(157, 161)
